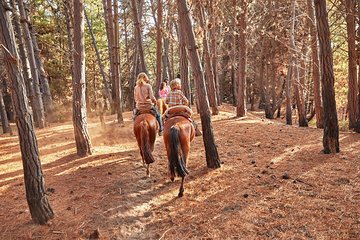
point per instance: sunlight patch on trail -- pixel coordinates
(290, 151)
(9, 179)
(139, 210)
(98, 149)
(191, 183)
(9, 156)
(352, 147)
(3, 189)
(95, 163)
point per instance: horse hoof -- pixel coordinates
(180, 194)
(172, 179)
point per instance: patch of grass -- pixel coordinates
(312, 123)
(343, 125)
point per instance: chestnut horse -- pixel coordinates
(178, 133)
(145, 129)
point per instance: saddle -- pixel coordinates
(137, 112)
(180, 110)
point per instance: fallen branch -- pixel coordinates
(165, 233)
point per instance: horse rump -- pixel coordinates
(177, 164)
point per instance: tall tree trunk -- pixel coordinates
(350, 6)
(38, 107)
(129, 75)
(234, 62)
(138, 38)
(159, 44)
(212, 156)
(82, 138)
(297, 85)
(288, 92)
(302, 80)
(290, 72)
(241, 101)
(165, 56)
(43, 79)
(4, 119)
(357, 127)
(68, 12)
(101, 66)
(118, 105)
(109, 23)
(261, 74)
(22, 53)
(315, 65)
(331, 127)
(39, 206)
(213, 46)
(184, 65)
(208, 64)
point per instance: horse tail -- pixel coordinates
(177, 162)
(145, 143)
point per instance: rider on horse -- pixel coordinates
(145, 99)
(177, 98)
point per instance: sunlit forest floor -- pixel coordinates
(274, 183)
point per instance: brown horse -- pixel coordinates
(145, 129)
(178, 133)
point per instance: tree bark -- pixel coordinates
(138, 38)
(214, 46)
(299, 96)
(22, 53)
(208, 64)
(39, 206)
(357, 127)
(241, 100)
(38, 107)
(4, 119)
(288, 92)
(331, 127)
(43, 79)
(159, 44)
(184, 64)
(109, 23)
(289, 75)
(350, 6)
(118, 105)
(261, 73)
(68, 12)
(165, 55)
(212, 157)
(315, 65)
(82, 138)
(101, 66)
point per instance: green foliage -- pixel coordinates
(340, 56)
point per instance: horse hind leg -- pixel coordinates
(148, 170)
(181, 190)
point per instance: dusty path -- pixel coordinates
(274, 183)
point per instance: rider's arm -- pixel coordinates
(185, 101)
(151, 95)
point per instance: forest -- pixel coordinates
(273, 85)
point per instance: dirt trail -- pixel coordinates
(274, 183)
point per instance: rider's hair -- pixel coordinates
(176, 83)
(142, 78)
